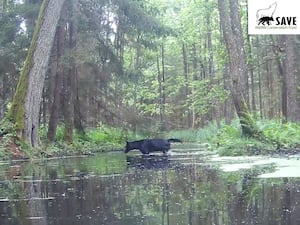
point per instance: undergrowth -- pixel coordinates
(228, 139)
(100, 139)
(225, 139)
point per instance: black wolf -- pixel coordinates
(151, 145)
(265, 19)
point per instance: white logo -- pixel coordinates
(273, 17)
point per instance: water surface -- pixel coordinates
(178, 189)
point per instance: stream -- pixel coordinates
(188, 186)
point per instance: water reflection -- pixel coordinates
(115, 189)
(150, 162)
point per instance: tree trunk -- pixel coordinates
(260, 94)
(68, 105)
(209, 41)
(251, 71)
(4, 5)
(78, 118)
(195, 77)
(186, 79)
(1, 96)
(54, 112)
(3, 78)
(70, 77)
(228, 106)
(277, 50)
(290, 99)
(25, 109)
(161, 83)
(233, 37)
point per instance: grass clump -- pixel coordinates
(283, 135)
(275, 137)
(223, 138)
(231, 142)
(228, 139)
(201, 135)
(100, 139)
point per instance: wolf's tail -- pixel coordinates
(174, 140)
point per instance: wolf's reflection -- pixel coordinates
(149, 162)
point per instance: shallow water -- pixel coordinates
(178, 189)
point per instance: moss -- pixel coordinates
(17, 110)
(248, 124)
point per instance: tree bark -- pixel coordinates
(290, 98)
(1, 96)
(186, 80)
(251, 72)
(25, 109)
(78, 118)
(70, 77)
(233, 37)
(209, 42)
(228, 106)
(68, 104)
(161, 88)
(3, 64)
(54, 112)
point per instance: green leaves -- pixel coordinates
(205, 95)
(283, 134)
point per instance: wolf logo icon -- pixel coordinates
(265, 16)
(265, 19)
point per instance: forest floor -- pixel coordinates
(15, 152)
(10, 150)
(226, 140)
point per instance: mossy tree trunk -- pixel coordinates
(233, 38)
(25, 109)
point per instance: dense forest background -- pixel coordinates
(144, 65)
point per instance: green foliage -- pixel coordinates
(248, 123)
(276, 135)
(136, 13)
(9, 143)
(205, 95)
(103, 134)
(194, 90)
(281, 134)
(133, 42)
(7, 128)
(205, 134)
(244, 146)
(102, 138)
(185, 135)
(7, 135)
(228, 139)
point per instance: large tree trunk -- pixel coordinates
(251, 72)
(228, 105)
(290, 98)
(233, 37)
(70, 77)
(59, 67)
(25, 109)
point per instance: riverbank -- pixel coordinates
(227, 140)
